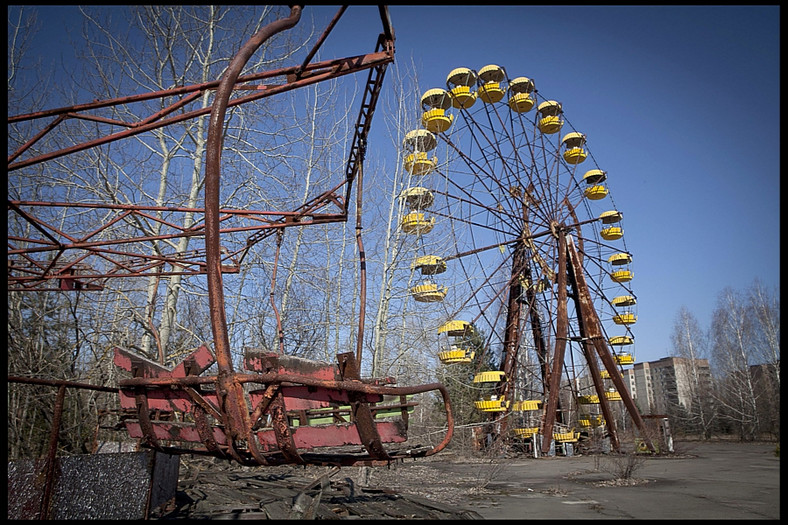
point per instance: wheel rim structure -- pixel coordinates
(532, 250)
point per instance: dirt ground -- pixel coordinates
(700, 481)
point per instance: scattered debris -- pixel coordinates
(220, 490)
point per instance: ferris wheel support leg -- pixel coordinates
(593, 367)
(594, 334)
(562, 328)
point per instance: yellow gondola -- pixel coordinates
(621, 276)
(429, 265)
(420, 140)
(595, 193)
(611, 217)
(491, 405)
(417, 197)
(456, 328)
(525, 432)
(491, 91)
(611, 233)
(456, 355)
(420, 163)
(491, 376)
(428, 292)
(550, 121)
(574, 153)
(621, 340)
(461, 81)
(566, 437)
(625, 318)
(435, 102)
(620, 259)
(521, 94)
(624, 359)
(613, 396)
(525, 405)
(416, 222)
(623, 300)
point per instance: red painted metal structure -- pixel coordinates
(260, 416)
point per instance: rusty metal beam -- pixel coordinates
(561, 332)
(595, 336)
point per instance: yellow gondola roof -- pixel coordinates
(621, 340)
(456, 327)
(491, 73)
(420, 139)
(429, 264)
(461, 76)
(621, 258)
(435, 98)
(549, 107)
(624, 300)
(521, 85)
(594, 176)
(573, 137)
(417, 197)
(611, 217)
(491, 376)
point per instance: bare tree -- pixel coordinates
(732, 331)
(690, 342)
(765, 307)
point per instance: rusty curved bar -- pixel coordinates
(232, 402)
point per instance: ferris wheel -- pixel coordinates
(520, 241)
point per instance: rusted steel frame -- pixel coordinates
(143, 415)
(49, 465)
(200, 401)
(269, 378)
(537, 332)
(183, 209)
(205, 432)
(511, 340)
(265, 401)
(229, 391)
(599, 388)
(360, 412)
(320, 40)
(282, 432)
(362, 259)
(340, 68)
(60, 382)
(274, 380)
(279, 331)
(561, 331)
(201, 408)
(596, 337)
(14, 205)
(482, 176)
(354, 170)
(368, 104)
(582, 304)
(24, 147)
(194, 90)
(190, 232)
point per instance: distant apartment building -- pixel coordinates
(657, 386)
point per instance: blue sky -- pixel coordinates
(680, 105)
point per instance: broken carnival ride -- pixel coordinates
(281, 409)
